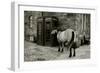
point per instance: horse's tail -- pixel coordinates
(72, 36)
(72, 39)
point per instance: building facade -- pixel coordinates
(38, 25)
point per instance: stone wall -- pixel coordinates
(76, 21)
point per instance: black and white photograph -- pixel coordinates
(50, 36)
(56, 36)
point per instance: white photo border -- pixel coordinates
(17, 60)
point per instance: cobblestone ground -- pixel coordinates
(34, 52)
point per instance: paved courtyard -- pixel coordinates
(34, 52)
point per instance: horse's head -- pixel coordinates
(54, 32)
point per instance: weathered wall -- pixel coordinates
(30, 22)
(76, 21)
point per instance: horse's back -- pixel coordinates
(68, 34)
(65, 35)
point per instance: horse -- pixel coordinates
(68, 36)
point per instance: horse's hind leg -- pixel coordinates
(70, 47)
(70, 54)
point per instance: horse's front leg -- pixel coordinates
(59, 47)
(62, 47)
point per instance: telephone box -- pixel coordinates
(44, 27)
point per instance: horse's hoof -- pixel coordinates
(74, 55)
(58, 50)
(70, 56)
(61, 51)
